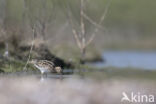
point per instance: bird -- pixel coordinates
(46, 66)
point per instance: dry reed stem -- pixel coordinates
(100, 22)
(82, 25)
(75, 33)
(81, 38)
(92, 21)
(32, 44)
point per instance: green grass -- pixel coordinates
(91, 72)
(10, 66)
(124, 73)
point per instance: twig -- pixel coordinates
(80, 36)
(76, 35)
(82, 26)
(100, 22)
(32, 44)
(92, 22)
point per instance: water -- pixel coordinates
(73, 90)
(133, 59)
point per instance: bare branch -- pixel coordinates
(32, 45)
(83, 40)
(105, 12)
(92, 22)
(90, 40)
(77, 38)
(80, 36)
(100, 22)
(75, 33)
(81, 17)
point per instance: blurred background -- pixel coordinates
(109, 39)
(128, 25)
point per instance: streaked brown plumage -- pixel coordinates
(46, 66)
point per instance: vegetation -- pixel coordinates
(119, 73)
(28, 24)
(72, 35)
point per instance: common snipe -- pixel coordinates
(46, 66)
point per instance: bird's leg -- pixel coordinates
(61, 75)
(42, 77)
(42, 74)
(46, 75)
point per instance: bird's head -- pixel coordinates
(58, 69)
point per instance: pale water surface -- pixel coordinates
(71, 90)
(133, 59)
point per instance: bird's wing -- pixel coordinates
(49, 62)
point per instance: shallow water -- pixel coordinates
(71, 90)
(133, 59)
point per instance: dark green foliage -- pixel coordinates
(13, 65)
